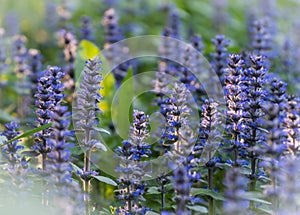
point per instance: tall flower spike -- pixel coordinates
(174, 23)
(87, 106)
(131, 168)
(11, 150)
(261, 37)
(35, 67)
(197, 43)
(234, 93)
(60, 154)
(220, 55)
(86, 30)
(292, 124)
(20, 53)
(69, 43)
(114, 53)
(255, 78)
(3, 64)
(49, 94)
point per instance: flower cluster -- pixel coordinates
(220, 55)
(114, 53)
(234, 92)
(130, 155)
(49, 94)
(11, 151)
(86, 30)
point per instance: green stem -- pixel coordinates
(87, 183)
(211, 203)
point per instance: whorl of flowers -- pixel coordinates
(60, 153)
(235, 191)
(3, 55)
(11, 151)
(292, 124)
(255, 78)
(277, 93)
(49, 94)
(86, 30)
(114, 53)
(234, 93)
(111, 27)
(220, 55)
(185, 75)
(261, 38)
(88, 98)
(176, 111)
(87, 108)
(174, 23)
(35, 67)
(20, 53)
(69, 43)
(197, 43)
(130, 155)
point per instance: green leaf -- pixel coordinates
(75, 167)
(29, 133)
(256, 197)
(3, 139)
(198, 208)
(88, 50)
(153, 190)
(105, 180)
(205, 192)
(122, 104)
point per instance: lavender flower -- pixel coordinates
(35, 67)
(86, 30)
(49, 94)
(291, 124)
(174, 23)
(197, 43)
(234, 92)
(114, 53)
(220, 55)
(60, 153)
(3, 64)
(255, 98)
(130, 154)
(69, 42)
(87, 101)
(261, 39)
(11, 151)
(20, 54)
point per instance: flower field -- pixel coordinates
(149, 107)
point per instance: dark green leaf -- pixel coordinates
(198, 208)
(29, 133)
(205, 192)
